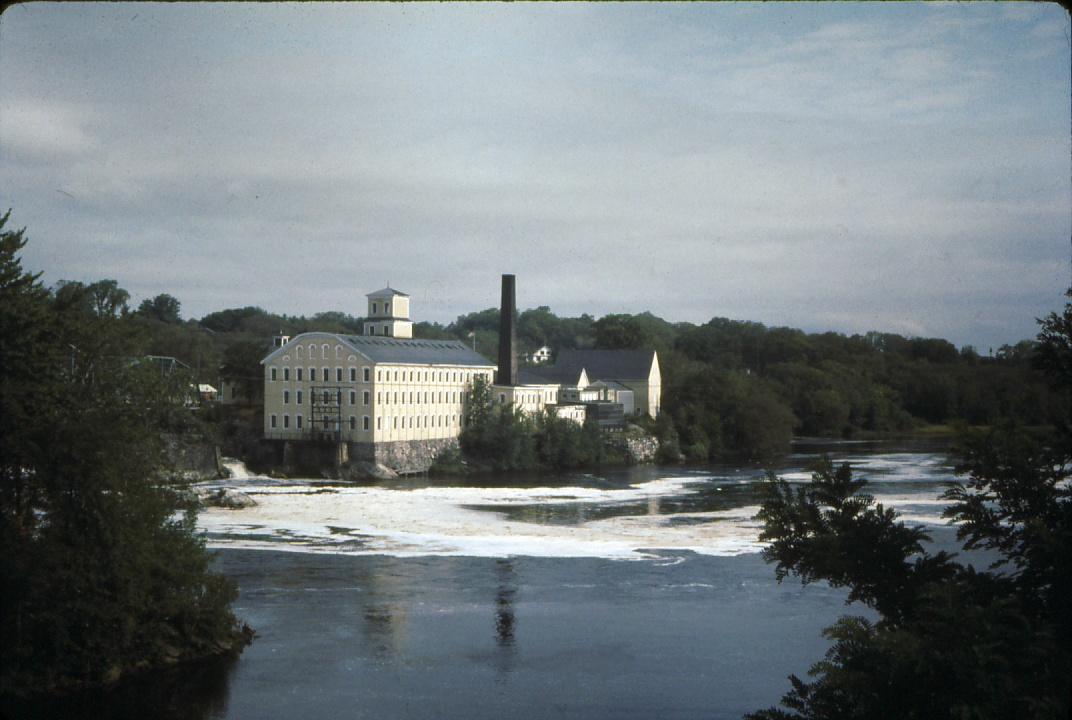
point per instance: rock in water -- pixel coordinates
(365, 470)
(228, 498)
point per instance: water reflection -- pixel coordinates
(384, 614)
(504, 616)
(196, 691)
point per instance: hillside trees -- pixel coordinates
(729, 387)
(101, 570)
(163, 307)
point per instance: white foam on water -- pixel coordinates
(894, 467)
(437, 521)
(314, 517)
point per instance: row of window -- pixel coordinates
(390, 422)
(455, 376)
(528, 398)
(325, 376)
(327, 397)
(328, 422)
(381, 375)
(419, 421)
(399, 398)
(325, 351)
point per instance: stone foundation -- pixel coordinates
(404, 456)
(637, 446)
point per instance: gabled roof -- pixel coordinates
(397, 350)
(605, 364)
(417, 352)
(526, 377)
(554, 374)
(386, 292)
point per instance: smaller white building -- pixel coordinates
(541, 356)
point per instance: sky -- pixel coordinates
(901, 167)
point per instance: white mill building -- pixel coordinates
(388, 397)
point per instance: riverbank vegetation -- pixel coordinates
(951, 641)
(101, 571)
(502, 438)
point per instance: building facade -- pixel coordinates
(392, 400)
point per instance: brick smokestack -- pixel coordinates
(507, 374)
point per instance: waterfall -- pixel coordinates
(236, 468)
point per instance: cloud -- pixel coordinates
(857, 166)
(35, 129)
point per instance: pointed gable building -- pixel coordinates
(637, 370)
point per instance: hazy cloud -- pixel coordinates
(886, 166)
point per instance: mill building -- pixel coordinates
(390, 398)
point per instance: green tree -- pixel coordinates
(163, 307)
(102, 572)
(242, 365)
(950, 641)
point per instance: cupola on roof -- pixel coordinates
(387, 292)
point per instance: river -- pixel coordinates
(634, 593)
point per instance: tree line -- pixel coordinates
(731, 389)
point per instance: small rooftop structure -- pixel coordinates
(386, 292)
(388, 314)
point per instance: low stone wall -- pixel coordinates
(637, 446)
(404, 456)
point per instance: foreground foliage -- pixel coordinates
(101, 571)
(951, 641)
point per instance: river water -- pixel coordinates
(635, 593)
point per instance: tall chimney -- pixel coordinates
(507, 374)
